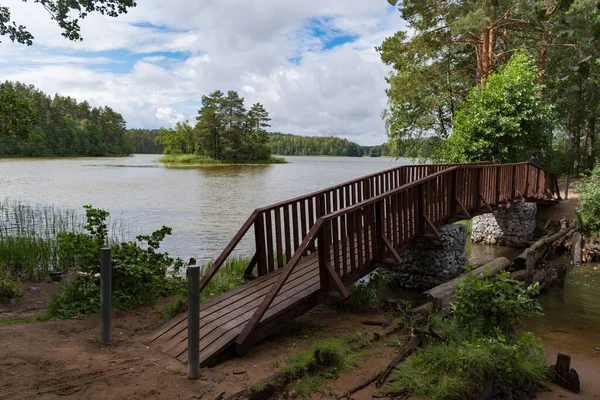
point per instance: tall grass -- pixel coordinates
(28, 246)
(229, 276)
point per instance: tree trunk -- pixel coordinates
(590, 139)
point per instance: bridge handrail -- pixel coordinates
(424, 203)
(310, 209)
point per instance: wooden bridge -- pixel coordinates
(312, 247)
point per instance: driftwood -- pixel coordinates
(577, 249)
(404, 352)
(540, 248)
(447, 291)
(415, 340)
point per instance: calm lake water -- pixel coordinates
(205, 207)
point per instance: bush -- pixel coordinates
(10, 287)
(466, 365)
(140, 272)
(588, 210)
(494, 305)
(482, 349)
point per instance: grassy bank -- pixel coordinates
(195, 161)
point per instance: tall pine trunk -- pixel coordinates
(590, 140)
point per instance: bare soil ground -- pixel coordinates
(58, 359)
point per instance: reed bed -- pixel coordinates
(28, 246)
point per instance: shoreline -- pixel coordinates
(184, 161)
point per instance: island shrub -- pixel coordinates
(482, 350)
(588, 209)
(141, 274)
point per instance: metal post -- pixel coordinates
(105, 295)
(193, 366)
(567, 188)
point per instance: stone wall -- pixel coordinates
(512, 227)
(431, 262)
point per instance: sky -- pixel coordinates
(311, 63)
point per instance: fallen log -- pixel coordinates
(447, 291)
(540, 248)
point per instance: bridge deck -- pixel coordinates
(224, 317)
(317, 244)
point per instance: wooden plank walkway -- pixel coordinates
(224, 317)
(318, 244)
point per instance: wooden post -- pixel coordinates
(324, 256)
(452, 206)
(420, 210)
(259, 236)
(105, 295)
(379, 230)
(537, 182)
(577, 249)
(367, 188)
(477, 189)
(567, 188)
(513, 193)
(193, 364)
(497, 197)
(529, 269)
(526, 194)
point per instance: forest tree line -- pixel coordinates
(454, 57)
(284, 144)
(33, 124)
(293, 145)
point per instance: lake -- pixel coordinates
(205, 207)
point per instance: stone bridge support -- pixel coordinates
(512, 227)
(431, 262)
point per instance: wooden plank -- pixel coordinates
(392, 250)
(230, 304)
(278, 238)
(295, 225)
(269, 229)
(288, 235)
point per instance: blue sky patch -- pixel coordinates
(122, 61)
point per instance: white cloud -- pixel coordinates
(128, 62)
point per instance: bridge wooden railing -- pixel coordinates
(280, 228)
(351, 241)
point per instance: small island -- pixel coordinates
(225, 134)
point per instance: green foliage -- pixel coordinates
(588, 208)
(230, 275)
(293, 145)
(481, 344)
(66, 14)
(494, 306)
(140, 272)
(194, 161)
(503, 121)
(225, 131)
(327, 355)
(145, 141)
(365, 294)
(10, 287)
(464, 366)
(34, 124)
(16, 113)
